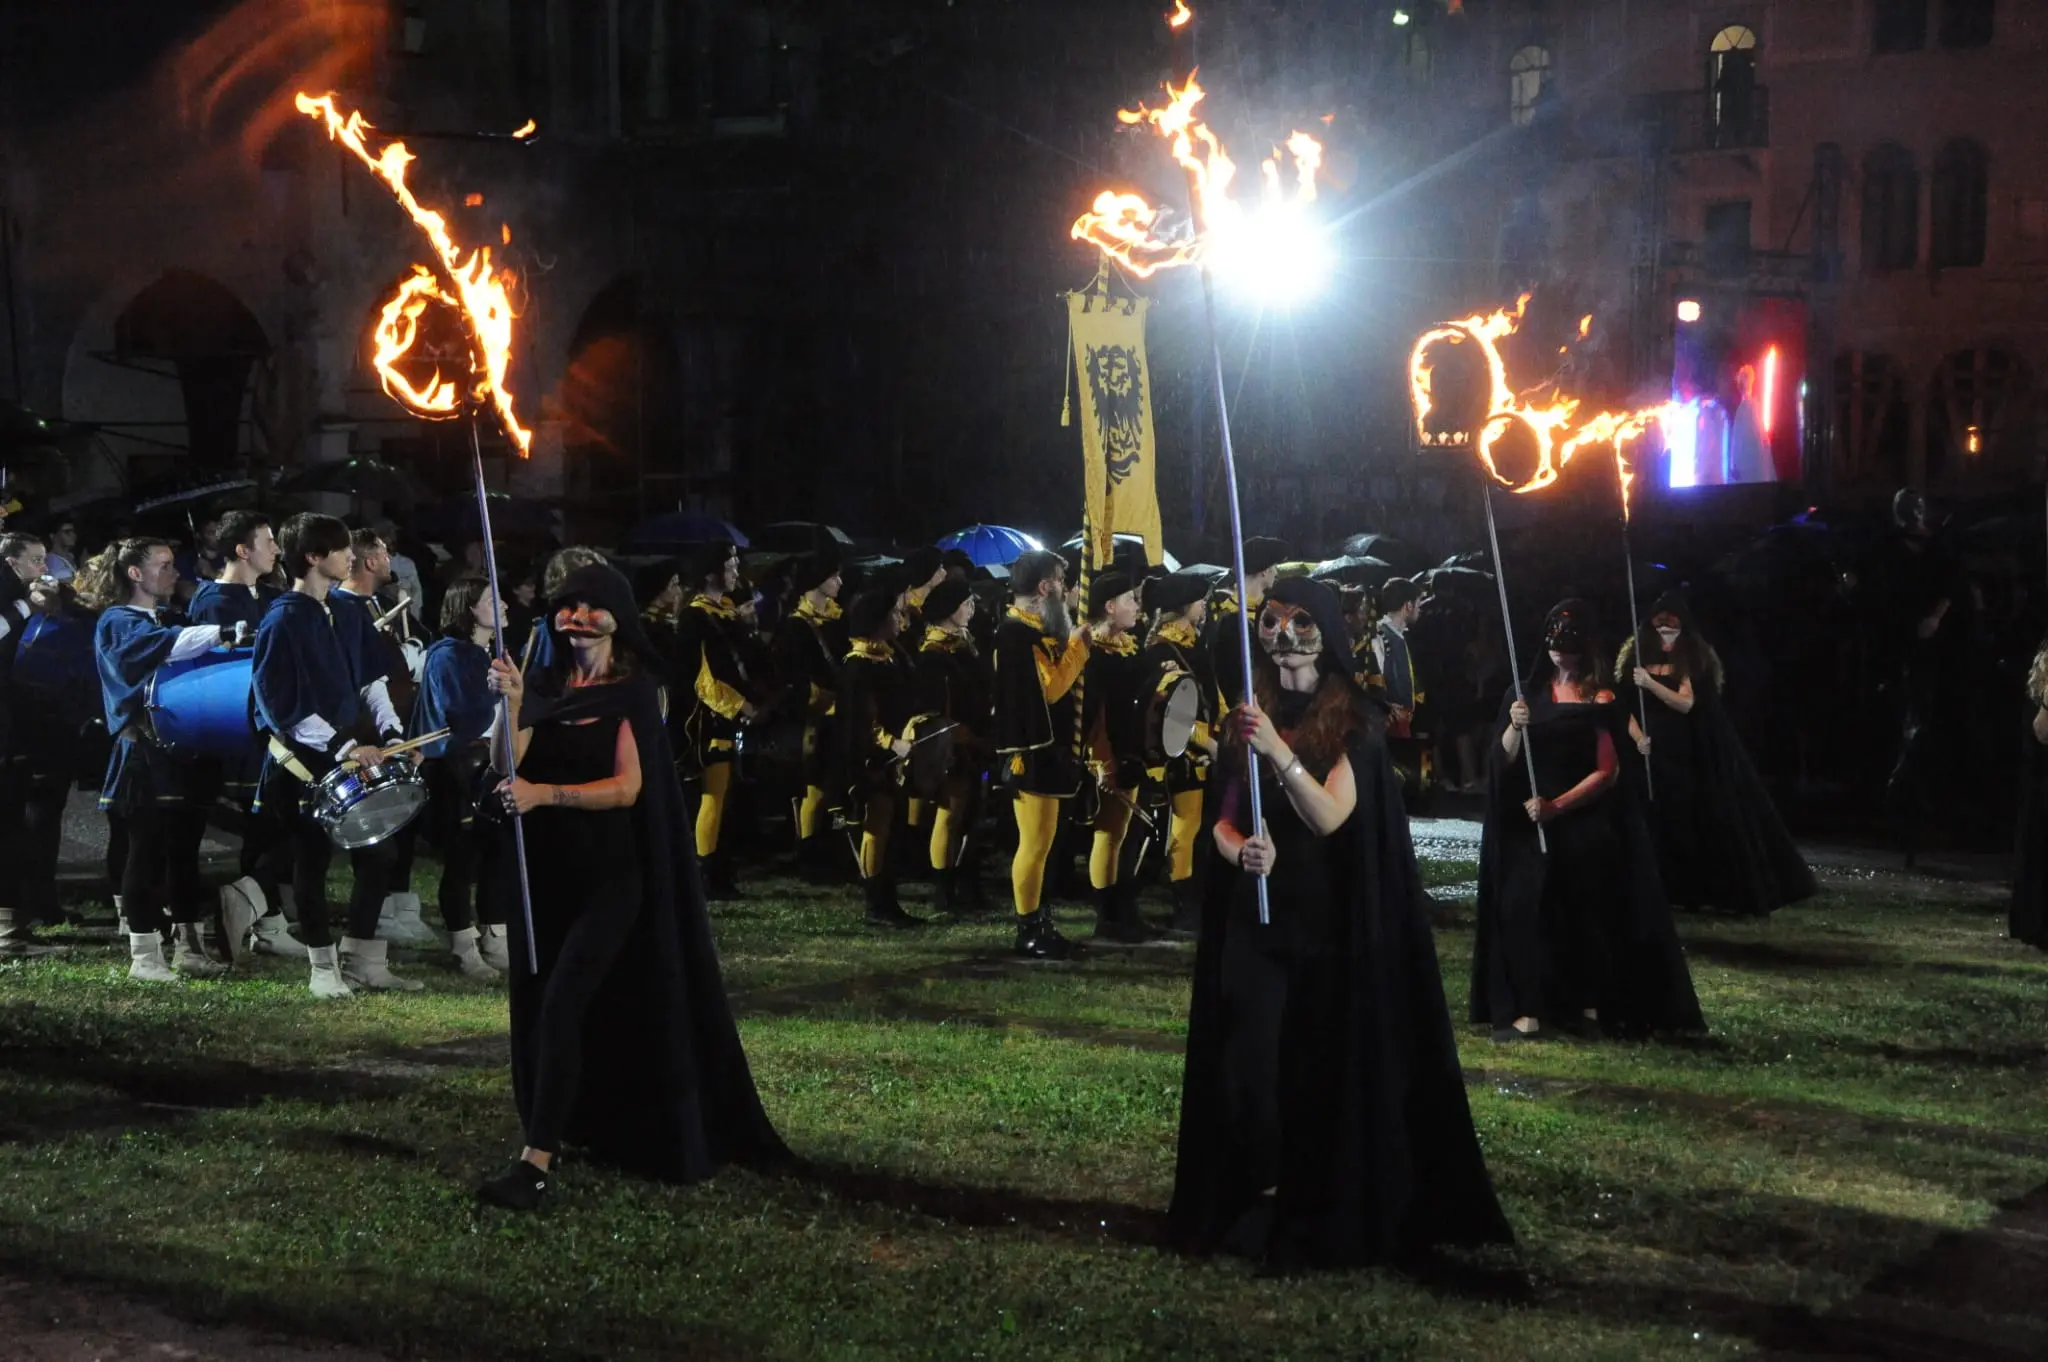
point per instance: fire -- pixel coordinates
(1557, 428)
(526, 129)
(1180, 16)
(479, 291)
(1128, 229)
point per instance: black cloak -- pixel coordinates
(665, 1091)
(2029, 919)
(1621, 952)
(1380, 1159)
(1720, 842)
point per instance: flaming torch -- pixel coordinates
(482, 296)
(1273, 249)
(1555, 428)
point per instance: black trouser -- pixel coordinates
(549, 1009)
(117, 851)
(267, 853)
(312, 853)
(163, 849)
(451, 795)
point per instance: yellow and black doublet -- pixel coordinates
(1177, 645)
(1034, 719)
(710, 646)
(875, 694)
(810, 644)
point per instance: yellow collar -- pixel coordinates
(717, 606)
(1030, 617)
(826, 616)
(1116, 645)
(1178, 632)
(937, 640)
(872, 650)
(915, 596)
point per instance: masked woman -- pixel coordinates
(2029, 922)
(1323, 1113)
(622, 1041)
(1577, 936)
(1720, 842)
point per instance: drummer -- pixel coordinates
(236, 601)
(145, 785)
(956, 681)
(1113, 689)
(314, 687)
(455, 695)
(355, 602)
(875, 694)
(810, 643)
(719, 700)
(1175, 644)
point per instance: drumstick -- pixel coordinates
(421, 741)
(385, 620)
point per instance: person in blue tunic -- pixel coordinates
(236, 601)
(145, 785)
(455, 694)
(315, 689)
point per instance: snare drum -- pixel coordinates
(930, 761)
(1170, 714)
(360, 806)
(56, 653)
(200, 708)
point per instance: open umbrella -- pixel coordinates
(193, 498)
(1354, 570)
(678, 530)
(801, 536)
(1128, 553)
(991, 545)
(363, 479)
(1387, 548)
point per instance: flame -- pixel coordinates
(1557, 428)
(480, 292)
(1128, 229)
(1180, 16)
(526, 129)
(1585, 325)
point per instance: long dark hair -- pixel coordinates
(1694, 658)
(1337, 711)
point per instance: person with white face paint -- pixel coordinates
(1720, 843)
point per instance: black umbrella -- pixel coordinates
(802, 536)
(194, 498)
(1354, 570)
(362, 479)
(1386, 547)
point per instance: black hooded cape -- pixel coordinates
(1381, 1160)
(1720, 842)
(1601, 862)
(665, 1091)
(2029, 918)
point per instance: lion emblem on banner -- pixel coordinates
(1116, 381)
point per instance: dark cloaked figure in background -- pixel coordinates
(2029, 919)
(1323, 1112)
(1579, 937)
(623, 1041)
(1720, 842)
(956, 681)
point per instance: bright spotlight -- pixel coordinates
(1400, 17)
(1278, 256)
(1688, 309)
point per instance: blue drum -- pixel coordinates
(56, 653)
(200, 708)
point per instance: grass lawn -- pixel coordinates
(995, 1144)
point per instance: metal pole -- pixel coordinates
(507, 749)
(1507, 624)
(1244, 603)
(1635, 633)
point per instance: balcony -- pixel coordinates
(1676, 123)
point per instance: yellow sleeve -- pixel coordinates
(1057, 676)
(720, 698)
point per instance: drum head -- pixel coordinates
(378, 815)
(1183, 705)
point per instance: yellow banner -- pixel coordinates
(1116, 422)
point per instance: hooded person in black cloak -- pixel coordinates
(1720, 842)
(622, 1042)
(1579, 937)
(1323, 1113)
(2029, 918)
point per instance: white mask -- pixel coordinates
(1669, 637)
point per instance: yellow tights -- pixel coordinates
(1182, 830)
(1038, 825)
(711, 809)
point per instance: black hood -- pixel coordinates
(602, 586)
(1327, 610)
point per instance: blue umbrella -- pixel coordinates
(991, 545)
(679, 529)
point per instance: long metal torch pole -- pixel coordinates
(507, 747)
(1635, 633)
(1244, 601)
(1507, 624)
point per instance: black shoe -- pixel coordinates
(522, 1187)
(883, 909)
(1039, 939)
(1115, 917)
(1187, 908)
(1128, 914)
(946, 891)
(719, 885)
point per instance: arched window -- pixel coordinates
(1977, 402)
(1871, 417)
(1961, 193)
(1528, 83)
(1732, 105)
(1891, 209)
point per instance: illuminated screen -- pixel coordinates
(1738, 372)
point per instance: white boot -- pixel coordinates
(363, 964)
(495, 947)
(326, 981)
(269, 937)
(241, 905)
(146, 959)
(474, 966)
(399, 922)
(189, 957)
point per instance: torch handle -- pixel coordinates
(508, 749)
(1244, 603)
(1507, 624)
(1635, 633)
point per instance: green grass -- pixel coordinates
(997, 1143)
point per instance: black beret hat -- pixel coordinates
(813, 570)
(1261, 553)
(1108, 585)
(869, 611)
(1176, 591)
(945, 598)
(921, 564)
